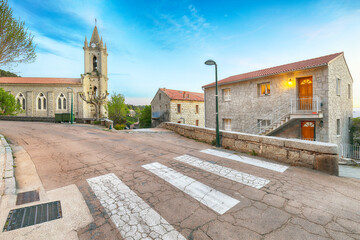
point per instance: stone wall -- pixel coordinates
(51, 93)
(315, 155)
(340, 106)
(188, 112)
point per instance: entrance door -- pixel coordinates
(305, 93)
(308, 130)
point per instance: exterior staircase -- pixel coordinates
(281, 123)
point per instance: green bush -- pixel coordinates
(119, 126)
(97, 122)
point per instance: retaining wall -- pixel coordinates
(316, 155)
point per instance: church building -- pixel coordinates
(44, 97)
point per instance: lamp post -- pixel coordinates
(71, 115)
(212, 62)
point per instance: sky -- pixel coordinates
(164, 43)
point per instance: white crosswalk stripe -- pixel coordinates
(225, 172)
(134, 218)
(247, 160)
(217, 201)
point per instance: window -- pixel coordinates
(338, 81)
(264, 89)
(197, 109)
(261, 123)
(226, 94)
(21, 100)
(179, 108)
(61, 102)
(337, 126)
(197, 122)
(166, 107)
(94, 63)
(227, 124)
(179, 121)
(349, 91)
(41, 102)
(159, 96)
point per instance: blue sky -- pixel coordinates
(160, 43)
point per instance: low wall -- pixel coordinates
(316, 155)
(39, 119)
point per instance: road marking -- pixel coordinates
(225, 172)
(134, 218)
(217, 201)
(247, 160)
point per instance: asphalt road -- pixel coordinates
(159, 185)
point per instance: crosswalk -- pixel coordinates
(135, 219)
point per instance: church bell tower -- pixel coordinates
(95, 70)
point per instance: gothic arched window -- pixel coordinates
(41, 102)
(21, 100)
(94, 63)
(61, 101)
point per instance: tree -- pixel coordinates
(117, 108)
(145, 117)
(4, 73)
(355, 130)
(8, 104)
(16, 43)
(95, 99)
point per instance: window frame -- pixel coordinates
(349, 91)
(267, 90)
(178, 108)
(338, 86)
(41, 102)
(20, 98)
(227, 124)
(338, 131)
(226, 94)
(62, 100)
(197, 109)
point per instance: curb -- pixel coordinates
(7, 184)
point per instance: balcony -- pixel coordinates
(305, 108)
(155, 115)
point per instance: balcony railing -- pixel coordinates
(305, 105)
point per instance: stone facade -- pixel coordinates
(49, 90)
(165, 109)
(315, 155)
(246, 106)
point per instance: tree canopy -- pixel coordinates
(16, 42)
(4, 73)
(117, 109)
(8, 103)
(145, 117)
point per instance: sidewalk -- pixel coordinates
(75, 213)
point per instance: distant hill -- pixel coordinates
(4, 73)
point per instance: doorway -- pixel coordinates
(308, 130)
(305, 93)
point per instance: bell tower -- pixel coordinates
(95, 77)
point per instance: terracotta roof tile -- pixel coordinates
(183, 95)
(305, 64)
(37, 80)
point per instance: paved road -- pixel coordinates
(164, 186)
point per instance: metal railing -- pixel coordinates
(305, 105)
(271, 119)
(350, 151)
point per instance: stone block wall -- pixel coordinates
(188, 112)
(315, 155)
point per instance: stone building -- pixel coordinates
(310, 100)
(43, 97)
(178, 106)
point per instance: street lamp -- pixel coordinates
(212, 62)
(71, 115)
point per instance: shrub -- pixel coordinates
(119, 126)
(97, 122)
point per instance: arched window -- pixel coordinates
(95, 63)
(41, 102)
(61, 102)
(95, 89)
(21, 100)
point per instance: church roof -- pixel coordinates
(183, 95)
(95, 36)
(38, 80)
(305, 64)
